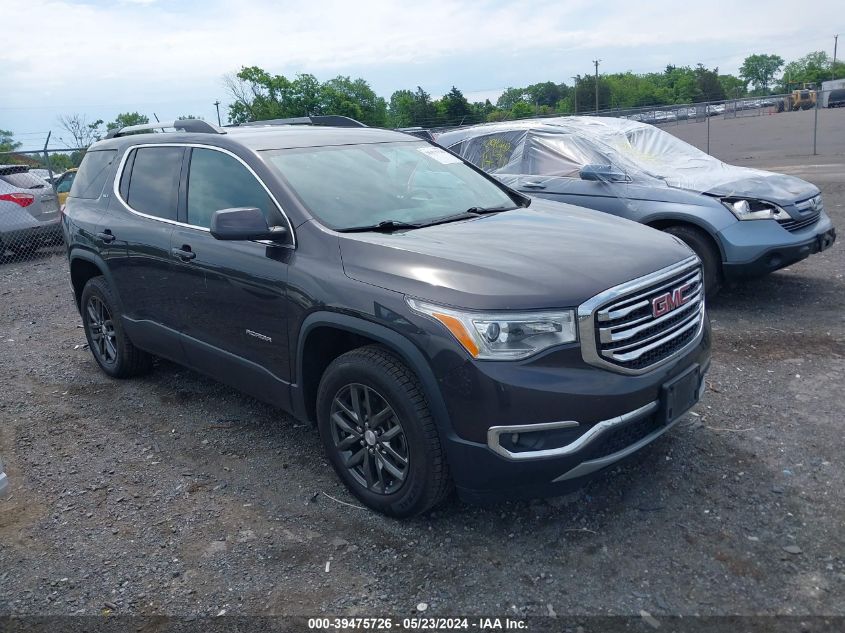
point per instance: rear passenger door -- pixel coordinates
(136, 233)
(232, 292)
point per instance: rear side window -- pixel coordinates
(218, 181)
(90, 180)
(24, 180)
(154, 182)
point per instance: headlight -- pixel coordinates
(503, 335)
(747, 209)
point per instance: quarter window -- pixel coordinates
(218, 181)
(154, 182)
(91, 178)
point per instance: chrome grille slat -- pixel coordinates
(796, 225)
(607, 336)
(618, 328)
(622, 312)
(664, 334)
(621, 326)
(604, 315)
(638, 353)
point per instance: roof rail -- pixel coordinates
(185, 125)
(331, 120)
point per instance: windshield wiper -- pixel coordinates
(485, 210)
(388, 226)
(385, 226)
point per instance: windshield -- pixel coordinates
(414, 182)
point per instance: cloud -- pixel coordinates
(144, 51)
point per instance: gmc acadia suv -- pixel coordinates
(438, 327)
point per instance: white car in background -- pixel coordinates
(4, 481)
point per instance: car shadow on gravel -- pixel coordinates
(781, 291)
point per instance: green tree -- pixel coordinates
(258, 96)
(353, 98)
(759, 70)
(423, 110)
(401, 109)
(183, 117)
(522, 110)
(126, 119)
(587, 93)
(732, 86)
(510, 97)
(60, 162)
(546, 93)
(813, 68)
(454, 108)
(8, 142)
(707, 83)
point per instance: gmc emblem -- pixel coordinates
(668, 301)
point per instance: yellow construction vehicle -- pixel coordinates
(804, 98)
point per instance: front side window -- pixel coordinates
(500, 153)
(91, 178)
(154, 182)
(350, 186)
(217, 181)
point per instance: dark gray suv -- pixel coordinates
(438, 327)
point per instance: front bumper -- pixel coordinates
(541, 430)
(754, 248)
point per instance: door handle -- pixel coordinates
(185, 253)
(534, 185)
(106, 236)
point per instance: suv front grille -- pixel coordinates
(810, 210)
(646, 322)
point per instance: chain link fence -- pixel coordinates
(33, 188)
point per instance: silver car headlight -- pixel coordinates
(749, 209)
(503, 335)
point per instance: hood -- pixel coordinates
(763, 185)
(549, 255)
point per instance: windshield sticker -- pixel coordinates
(440, 155)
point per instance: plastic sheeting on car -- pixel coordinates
(560, 147)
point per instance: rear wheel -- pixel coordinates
(711, 262)
(109, 344)
(379, 435)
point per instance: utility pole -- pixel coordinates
(596, 62)
(833, 65)
(217, 105)
(575, 93)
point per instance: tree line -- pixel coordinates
(259, 95)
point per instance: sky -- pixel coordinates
(168, 57)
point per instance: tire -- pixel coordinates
(108, 342)
(376, 374)
(711, 262)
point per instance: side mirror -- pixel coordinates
(602, 173)
(244, 223)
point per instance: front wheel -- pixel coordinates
(109, 344)
(379, 435)
(711, 262)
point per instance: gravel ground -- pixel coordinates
(175, 495)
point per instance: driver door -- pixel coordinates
(233, 292)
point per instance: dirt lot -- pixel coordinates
(175, 495)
